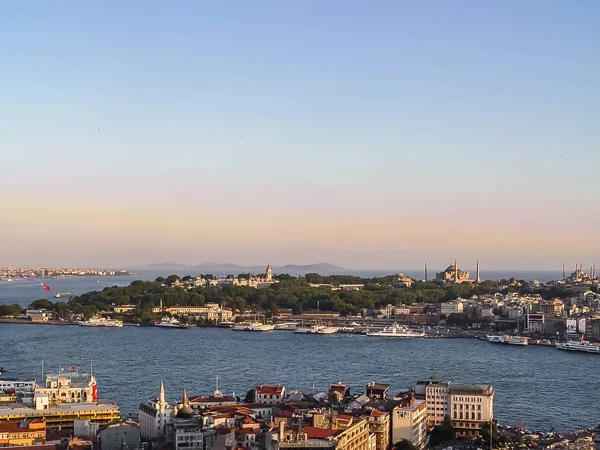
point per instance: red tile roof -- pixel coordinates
(269, 390)
(377, 413)
(318, 433)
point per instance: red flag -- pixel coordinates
(71, 368)
(94, 393)
(45, 287)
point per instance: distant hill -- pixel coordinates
(234, 269)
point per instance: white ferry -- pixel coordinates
(17, 386)
(286, 326)
(576, 346)
(62, 294)
(396, 331)
(508, 340)
(101, 322)
(170, 322)
(316, 329)
(253, 326)
(516, 340)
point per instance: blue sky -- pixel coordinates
(368, 134)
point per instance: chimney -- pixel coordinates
(281, 430)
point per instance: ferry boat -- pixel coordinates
(516, 340)
(324, 329)
(101, 322)
(170, 322)
(396, 331)
(62, 294)
(253, 326)
(576, 346)
(286, 326)
(508, 340)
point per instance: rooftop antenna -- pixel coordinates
(42, 369)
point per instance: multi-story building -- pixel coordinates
(120, 436)
(24, 433)
(344, 433)
(535, 323)
(551, 308)
(154, 416)
(452, 307)
(409, 421)
(269, 395)
(38, 315)
(379, 425)
(470, 407)
(377, 391)
(68, 389)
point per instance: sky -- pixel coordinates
(371, 135)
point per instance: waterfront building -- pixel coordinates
(452, 274)
(23, 433)
(120, 436)
(270, 395)
(124, 309)
(451, 307)
(67, 389)
(470, 407)
(38, 315)
(154, 416)
(535, 323)
(62, 415)
(409, 421)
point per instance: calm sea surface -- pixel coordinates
(539, 387)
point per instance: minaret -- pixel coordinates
(563, 271)
(269, 273)
(161, 398)
(478, 277)
(185, 399)
(455, 272)
(425, 272)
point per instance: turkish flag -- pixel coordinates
(45, 287)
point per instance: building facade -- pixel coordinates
(269, 395)
(409, 421)
(24, 433)
(120, 436)
(154, 416)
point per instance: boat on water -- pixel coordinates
(576, 346)
(253, 326)
(396, 330)
(286, 326)
(170, 322)
(508, 340)
(101, 322)
(225, 324)
(62, 294)
(2, 371)
(516, 340)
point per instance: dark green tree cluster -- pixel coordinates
(444, 432)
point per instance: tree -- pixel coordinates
(404, 444)
(160, 280)
(249, 398)
(442, 433)
(42, 303)
(171, 279)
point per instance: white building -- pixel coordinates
(38, 315)
(269, 395)
(66, 389)
(154, 416)
(409, 421)
(470, 407)
(452, 307)
(188, 435)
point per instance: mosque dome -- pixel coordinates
(186, 411)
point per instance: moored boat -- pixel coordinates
(170, 322)
(101, 322)
(396, 330)
(576, 346)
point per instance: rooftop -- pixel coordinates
(269, 390)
